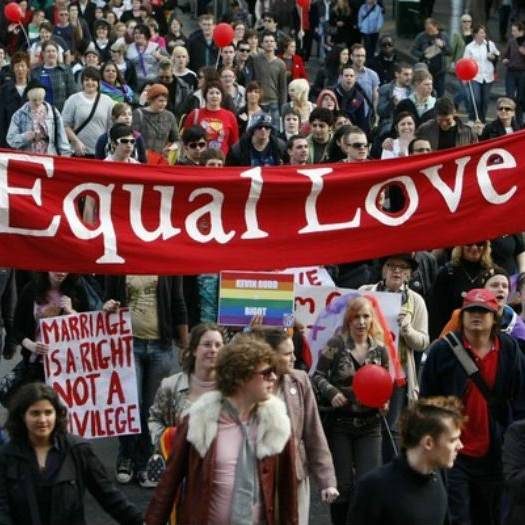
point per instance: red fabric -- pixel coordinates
(298, 69)
(476, 433)
(222, 129)
(260, 219)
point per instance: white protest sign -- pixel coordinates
(321, 309)
(311, 276)
(90, 365)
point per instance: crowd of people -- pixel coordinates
(233, 427)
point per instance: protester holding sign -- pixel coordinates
(48, 294)
(354, 432)
(413, 329)
(312, 453)
(44, 471)
(159, 320)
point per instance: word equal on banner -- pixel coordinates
(243, 295)
(90, 365)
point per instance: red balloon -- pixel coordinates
(13, 12)
(372, 386)
(223, 34)
(466, 68)
(303, 3)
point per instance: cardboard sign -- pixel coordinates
(311, 276)
(321, 309)
(243, 295)
(90, 365)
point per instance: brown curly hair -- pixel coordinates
(187, 358)
(238, 360)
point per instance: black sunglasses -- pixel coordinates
(267, 373)
(244, 50)
(195, 145)
(505, 108)
(358, 145)
(125, 141)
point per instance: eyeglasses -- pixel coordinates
(400, 267)
(265, 126)
(357, 145)
(244, 50)
(267, 373)
(422, 150)
(125, 141)
(194, 145)
(505, 108)
(479, 244)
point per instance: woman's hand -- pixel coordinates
(79, 148)
(36, 347)
(388, 144)
(403, 320)
(111, 305)
(329, 495)
(339, 400)
(67, 305)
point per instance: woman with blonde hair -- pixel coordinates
(469, 267)
(354, 432)
(299, 90)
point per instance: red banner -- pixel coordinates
(171, 220)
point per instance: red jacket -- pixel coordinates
(298, 69)
(192, 464)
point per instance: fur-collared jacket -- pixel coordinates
(188, 478)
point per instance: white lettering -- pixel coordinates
(451, 197)
(372, 201)
(214, 209)
(250, 210)
(35, 192)
(483, 174)
(316, 176)
(105, 228)
(165, 229)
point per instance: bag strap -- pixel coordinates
(367, 14)
(55, 131)
(90, 116)
(469, 366)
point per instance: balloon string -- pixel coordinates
(473, 99)
(25, 34)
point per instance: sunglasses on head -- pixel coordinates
(267, 373)
(199, 144)
(125, 141)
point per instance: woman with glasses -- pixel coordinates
(312, 456)
(235, 441)
(469, 267)
(354, 431)
(459, 40)
(505, 121)
(413, 334)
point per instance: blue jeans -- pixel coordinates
(481, 96)
(153, 362)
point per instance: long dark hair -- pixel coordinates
(29, 395)
(188, 353)
(120, 81)
(70, 286)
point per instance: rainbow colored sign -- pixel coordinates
(243, 295)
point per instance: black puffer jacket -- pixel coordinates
(80, 469)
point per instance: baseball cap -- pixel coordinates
(261, 120)
(480, 298)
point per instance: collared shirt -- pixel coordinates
(368, 79)
(479, 53)
(476, 432)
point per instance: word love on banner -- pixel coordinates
(243, 295)
(90, 365)
(188, 220)
(321, 309)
